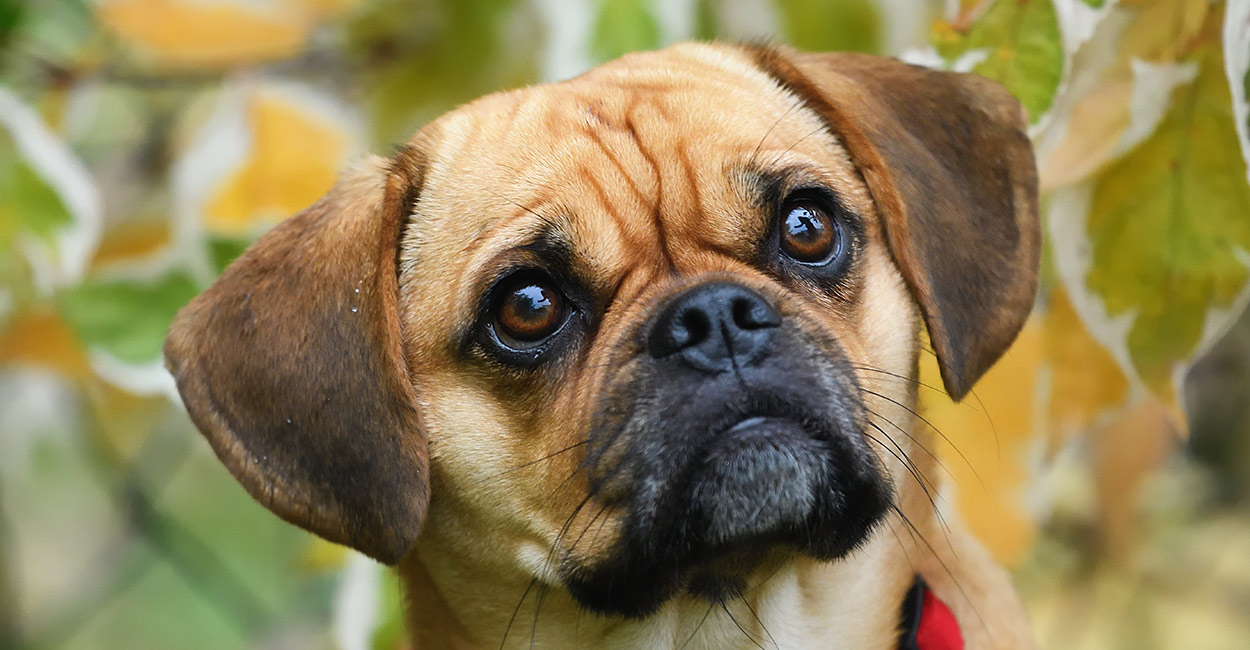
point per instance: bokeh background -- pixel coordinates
(144, 143)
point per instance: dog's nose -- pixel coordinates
(714, 326)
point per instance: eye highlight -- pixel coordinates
(528, 310)
(809, 235)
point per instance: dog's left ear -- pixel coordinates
(951, 170)
(292, 366)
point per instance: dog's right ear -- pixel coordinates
(292, 366)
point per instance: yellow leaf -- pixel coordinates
(203, 34)
(967, 12)
(124, 421)
(131, 242)
(322, 9)
(320, 555)
(1162, 29)
(41, 338)
(1093, 131)
(294, 158)
(1126, 453)
(988, 438)
(1085, 380)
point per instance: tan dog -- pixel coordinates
(628, 361)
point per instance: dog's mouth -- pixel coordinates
(758, 476)
(723, 471)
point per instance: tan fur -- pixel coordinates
(642, 163)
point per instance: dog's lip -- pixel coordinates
(763, 424)
(756, 424)
(749, 422)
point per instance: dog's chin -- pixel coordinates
(763, 483)
(761, 476)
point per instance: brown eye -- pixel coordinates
(529, 311)
(808, 234)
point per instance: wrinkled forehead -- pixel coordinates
(656, 158)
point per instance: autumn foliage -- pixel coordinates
(145, 143)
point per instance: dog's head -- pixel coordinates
(630, 332)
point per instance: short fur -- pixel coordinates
(604, 492)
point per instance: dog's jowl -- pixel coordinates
(630, 360)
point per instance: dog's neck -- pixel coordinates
(454, 602)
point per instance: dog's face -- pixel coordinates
(672, 286)
(631, 333)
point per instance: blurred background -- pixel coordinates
(145, 143)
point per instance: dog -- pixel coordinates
(630, 360)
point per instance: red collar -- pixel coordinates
(928, 623)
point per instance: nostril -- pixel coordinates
(751, 313)
(681, 326)
(696, 326)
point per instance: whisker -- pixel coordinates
(532, 462)
(739, 626)
(903, 431)
(936, 389)
(796, 143)
(697, 627)
(743, 598)
(935, 429)
(588, 525)
(902, 546)
(998, 445)
(958, 585)
(769, 132)
(915, 472)
(980, 404)
(555, 544)
(542, 595)
(908, 463)
(515, 610)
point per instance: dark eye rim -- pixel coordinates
(504, 347)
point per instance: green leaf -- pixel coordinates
(11, 13)
(390, 633)
(423, 58)
(706, 20)
(1166, 223)
(222, 251)
(27, 205)
(27, 202)
(1024, 49)
(624, 26)
(125, 318)
(56, 31)
(847, 25)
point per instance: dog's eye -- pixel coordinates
(529, 310)
(808, 234)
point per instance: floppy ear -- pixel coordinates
(292, 366)
(949, 166)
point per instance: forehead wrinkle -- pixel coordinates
(656, 212)
(624, 215)
(604, 160)
(596, 138)
(599, 255)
